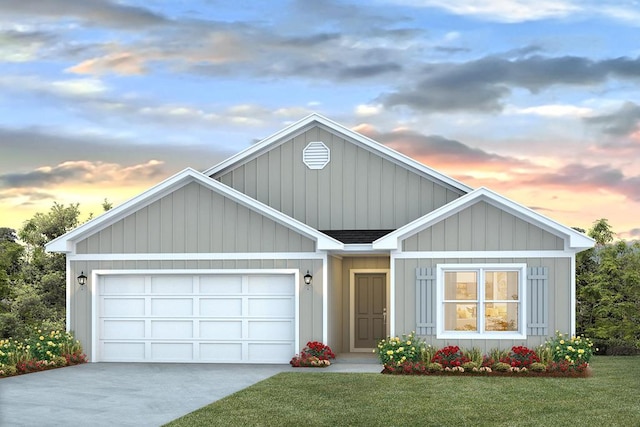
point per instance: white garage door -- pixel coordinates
(221, 318)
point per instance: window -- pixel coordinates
(481, 301)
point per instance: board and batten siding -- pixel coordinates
(558, 298)
(482, 227)
(357, 189)
(195, 219)
(310, 299)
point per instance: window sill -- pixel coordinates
(485, 336)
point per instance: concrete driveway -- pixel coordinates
(121, 394)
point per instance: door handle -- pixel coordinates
(384, 315)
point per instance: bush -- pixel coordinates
(575, 350)
(396, 351)
(450, 357)
(502, 367)
(315, 354)
(538, 367)
(40, 351)
(616, 347)
(520, 357)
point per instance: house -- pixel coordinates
(212, 266)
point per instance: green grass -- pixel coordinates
(610, 397)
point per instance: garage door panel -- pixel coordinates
(122, 285)
(223, 284)
(270, 352)
(261, 330)
(171, 329)
(224, 318)
(172, 284)
(220, 307)
(114, 329)
(270, 307)
(123, 351)
(220, 330)
(221, 352)
(270, 285)
(173, 307)
(123, 306)
(171, 351)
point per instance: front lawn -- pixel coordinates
(609, 397)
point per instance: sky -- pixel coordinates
(539, 101)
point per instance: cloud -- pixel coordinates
(122, 63)
(554, 110)
(438, 150)
(483, 84)
(509, 11)
(515, 11)
(101, 12)
(589, 178)
(622, 122)
(83, 172)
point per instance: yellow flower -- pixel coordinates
(400, 349)
(567, 357)
(561, 341)
(389, 352)
(570, 348)
(581, 351)
(41, 338)
(408, 342)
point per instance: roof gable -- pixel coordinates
(66, 242)
(318, 120)
(574, 240)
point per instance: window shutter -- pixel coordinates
(425, 301)
(538, 301)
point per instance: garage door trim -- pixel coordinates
(96, 276)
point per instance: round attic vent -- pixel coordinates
(315, 155)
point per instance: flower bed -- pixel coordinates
(314, 355)
(558, 357)
(41, 351)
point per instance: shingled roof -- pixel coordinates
(356, 236)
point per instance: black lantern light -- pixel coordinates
(82, 279)
(307, 278)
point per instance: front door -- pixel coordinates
(370, 309)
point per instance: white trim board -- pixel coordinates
(196, 256)
(482, 254)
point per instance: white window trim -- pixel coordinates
(522, 318)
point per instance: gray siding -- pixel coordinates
(310, 300)
(358, 189)
(482, 227)
(195, 219)
(559, 299)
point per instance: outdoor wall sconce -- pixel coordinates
(307, 279)
(82, 279)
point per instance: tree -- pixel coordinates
(608, 288)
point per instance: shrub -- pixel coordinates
(474, 355)
(427, 353)
(315, 354)
(520, 357)
(501, 367)
(396, 351)
(544, 353)
(450, 357)
(470, 366)
(575, 350)
(434, 367)
(41, 350)
(538, 367)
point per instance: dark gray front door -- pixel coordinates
(370, 317)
